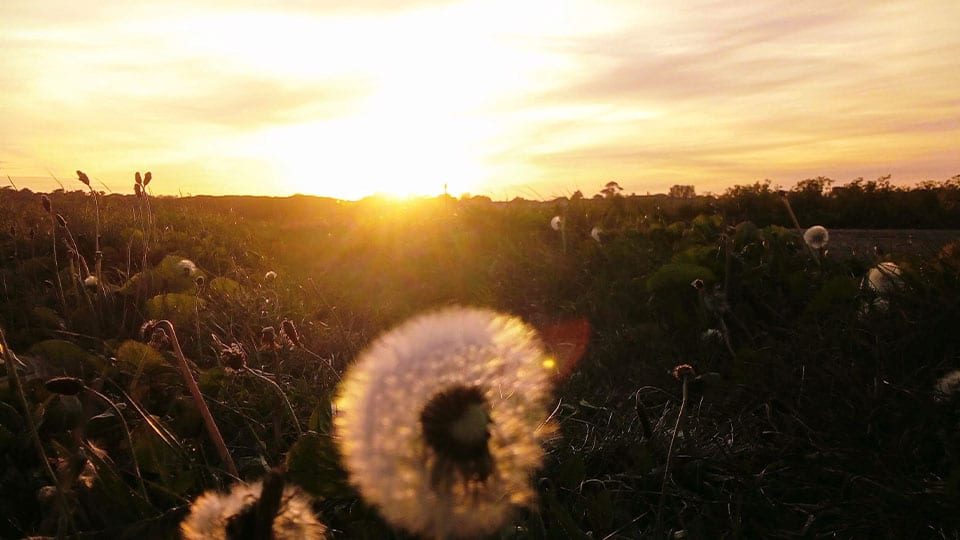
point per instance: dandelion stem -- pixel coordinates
(126, 431)
(666, 466)
(208, 420)
(12, 362)
(293, 414)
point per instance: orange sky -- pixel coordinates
(502, 98)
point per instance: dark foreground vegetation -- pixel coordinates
(811, 410)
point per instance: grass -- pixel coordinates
(807, 416)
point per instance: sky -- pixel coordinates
(502, 98)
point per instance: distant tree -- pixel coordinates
(611, 190)
(683, 192)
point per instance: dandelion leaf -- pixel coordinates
(181, 309)
(210, 380)
(66, 358)
(137, 354)
(678, 275)
(225, 286)
(837, 295)
(46, 317)
(321, 418)
(312, 464)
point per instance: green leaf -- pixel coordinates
(137, 354)
(46, 317)
(225, 286)
(181, 309)
(312, 464)
(64, 357)
(678, 275)
(321, 419)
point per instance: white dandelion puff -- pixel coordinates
(556, 223)
(270, 276)
(212, 513)
(884, 278)
(90, 281)
(595, 233)
(816, 237)
(442, 421)
(880, 281)
(187, 267)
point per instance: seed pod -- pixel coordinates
(45, 201)
(83, 178)
(65, 386)
(290, 331)
(62, 221)
(137, 178)
(682, 371)
(138, 189)
(146, 178)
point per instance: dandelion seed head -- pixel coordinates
(595, 233)
(884, 277)
(187, 267)
(211, 513)
(90, 281)
(556, 223)
(442, 421)
(270, 276)
(816, 237)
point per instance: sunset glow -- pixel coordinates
(484, 97)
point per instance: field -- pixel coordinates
(817, 403)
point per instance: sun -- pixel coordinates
(423, 128)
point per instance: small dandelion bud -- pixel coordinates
(268, 339)
(947, 387)
(137, 179)
(159, 339)
(46, 495)
(441, 421)
(65, 386)
(556, 223)
(146, 178)
(147, 327)
(290, 332)
(45, 201)
(82, 176)
(683, 371)
(816, 237)
(138, 190)
(697, 284)
(62, 221)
